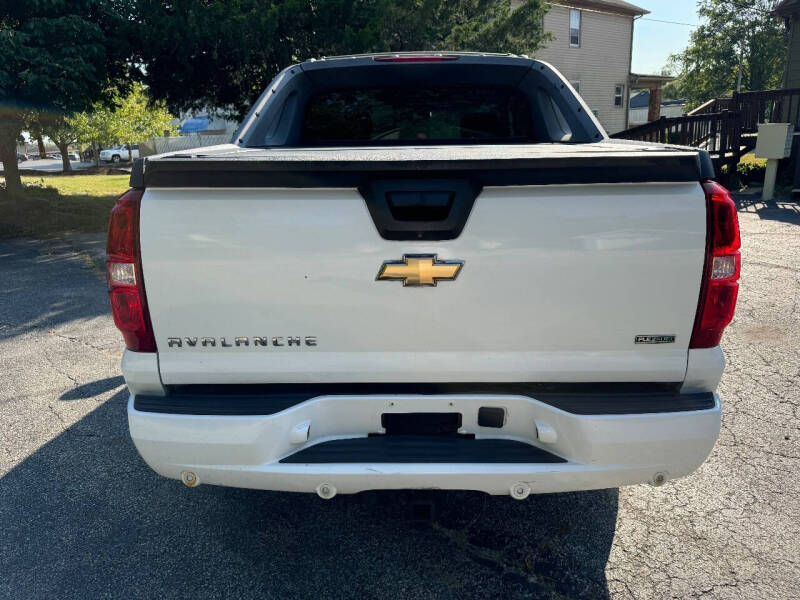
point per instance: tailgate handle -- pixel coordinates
(413, 205)
(419, 209)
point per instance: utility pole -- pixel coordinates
(739, 76)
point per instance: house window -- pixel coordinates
(574, 28)
(576, 84)
(619, 92)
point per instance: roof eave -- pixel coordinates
(629, 10)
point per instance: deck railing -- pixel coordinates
(769, 106)
(715, 105)
(723, 126)
(718, 133)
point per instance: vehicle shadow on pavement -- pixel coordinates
(92, 389)
(84, 517)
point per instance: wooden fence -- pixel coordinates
(770, 106)
(718, 133)
(723, 126)
(715, 105)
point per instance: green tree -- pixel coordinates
(195, 53)
(735, 34)
(95, 128)
(62, 131)
(672, 90)
(126, 119)
(56, 56)
(37, 133)
(137, 118)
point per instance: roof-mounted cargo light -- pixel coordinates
(416, 58)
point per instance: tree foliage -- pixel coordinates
(127, 119)
(62, 131)
(732, 30)
(224, 53)
(56, 56)
(136, 118)
(95, 127)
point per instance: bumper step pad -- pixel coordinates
(421, 449)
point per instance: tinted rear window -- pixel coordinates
(417, 115)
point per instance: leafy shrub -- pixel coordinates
(751, 169)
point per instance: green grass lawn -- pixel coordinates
(82, 185)
(54, 204)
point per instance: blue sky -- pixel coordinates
(653, 42)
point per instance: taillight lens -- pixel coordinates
(124, 275)
(720, 284)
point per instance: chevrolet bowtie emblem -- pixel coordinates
(419, 270)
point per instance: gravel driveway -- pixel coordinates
(81, 516)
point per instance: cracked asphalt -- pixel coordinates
(81, 516)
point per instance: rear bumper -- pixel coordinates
(597, 451)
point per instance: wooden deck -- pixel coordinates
(725, 127)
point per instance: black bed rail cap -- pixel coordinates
(137, 174)
(302, 171)
(705, 165)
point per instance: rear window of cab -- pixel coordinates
(417, 115)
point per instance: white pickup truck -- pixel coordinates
(424, 271)
(119, 153)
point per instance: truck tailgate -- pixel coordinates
(557, 282)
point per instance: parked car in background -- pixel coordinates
(57, 156)
(21, 157)
(118, 154)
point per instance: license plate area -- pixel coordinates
(422, 423)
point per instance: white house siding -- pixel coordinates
(638, 116)
(601, 62)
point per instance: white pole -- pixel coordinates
(739, 76)
(769, 179)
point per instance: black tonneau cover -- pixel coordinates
(612, 161)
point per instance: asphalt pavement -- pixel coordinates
(49, 165)
(81, 516)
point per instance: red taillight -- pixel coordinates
(720, 284)
(124, 275)
(419, 58)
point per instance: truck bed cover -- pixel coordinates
(518, 164)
